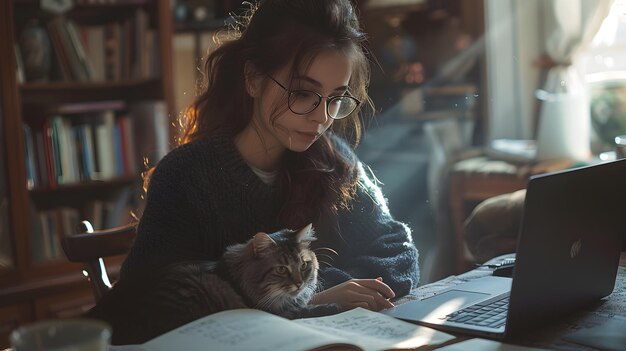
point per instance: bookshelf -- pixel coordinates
(74, 128)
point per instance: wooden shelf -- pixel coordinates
(32, 289)
(64, 92)
(85, 186)
(73, 195)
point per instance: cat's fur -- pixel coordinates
(273, 272)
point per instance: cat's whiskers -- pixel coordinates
(264, 302)
(326, 263)
(273, 301)
(325, 248)
(327, 256)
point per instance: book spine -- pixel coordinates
(148, 47)
(78, 140)
(63, 64)
(56, 150)
(129, 52)
(155, 55)
(128, 145)
(117, 148)
(46, 248)
(77, 44)
(111, 51)
(37, 242)
(69, 50)
(29, 148)
(49, 154)
(55, 232)
(140, 26)
(41, 159)
(65, 150)
(104, 140)
(70, 149)
(88, 151)
(95, 51)
(19, 65)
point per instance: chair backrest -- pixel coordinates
(90, 247)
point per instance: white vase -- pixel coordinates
(564, 127)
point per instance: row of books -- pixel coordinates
(94, 142)
(51, 226)
(122, 50)
(66, 151)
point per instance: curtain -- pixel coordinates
(564, 122)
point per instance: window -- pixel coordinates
(604, 68)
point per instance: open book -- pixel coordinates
(247, 329)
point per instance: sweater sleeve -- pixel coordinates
(374, 244)
(168, 229)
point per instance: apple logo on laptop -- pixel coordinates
(575, 249)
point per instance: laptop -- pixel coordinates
(567, 257)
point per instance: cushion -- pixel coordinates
(493, 226)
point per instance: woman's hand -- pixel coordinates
(371, 294)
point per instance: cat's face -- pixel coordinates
(289, 266)
(284, 269)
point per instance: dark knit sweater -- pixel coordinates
(204, 197)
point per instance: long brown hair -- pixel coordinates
(275, 33)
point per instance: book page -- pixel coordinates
(243, 329)
(375, 331)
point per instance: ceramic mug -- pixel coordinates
(62, 335)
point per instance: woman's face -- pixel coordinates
(328, 75)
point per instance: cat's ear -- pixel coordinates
(261, 242)
(306, 234)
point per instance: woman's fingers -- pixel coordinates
(376, 284)
(355, 296)
(357, 304)
(371, 294)
(383, 303)
(374, 300)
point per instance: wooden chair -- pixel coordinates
(90, 247)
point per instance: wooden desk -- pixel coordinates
(549, 336)
(478, 178)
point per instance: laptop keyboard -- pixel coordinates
(485, 314)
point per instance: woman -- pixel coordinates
(264, 149)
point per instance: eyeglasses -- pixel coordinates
(302, 102)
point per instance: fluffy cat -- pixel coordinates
(274, 272)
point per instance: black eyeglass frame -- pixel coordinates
(329, 99)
